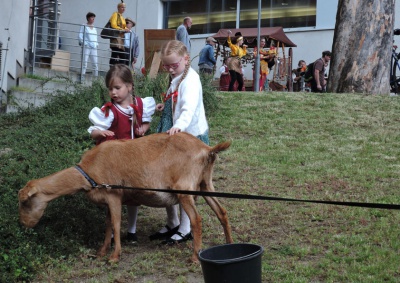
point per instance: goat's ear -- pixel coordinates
(25, 193)
(32, 191)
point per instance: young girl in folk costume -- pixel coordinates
(183, 111)
(238, 50)
(125, 117)
(225, 78)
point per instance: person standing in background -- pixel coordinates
(88, 39)
(318, 83)
(264, 58)
(131, 44)
(182, 32)
(117, 22)
(207, 60)
(238, 50)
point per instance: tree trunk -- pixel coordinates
(362, 47)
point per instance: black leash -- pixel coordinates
(241, 196)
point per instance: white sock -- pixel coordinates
(172, 218)
(132, 218)
(184, 227)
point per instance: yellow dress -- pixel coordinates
(237, 52)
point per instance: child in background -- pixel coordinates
(183, 111)
(225, 78)
(126, 116)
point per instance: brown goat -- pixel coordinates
(178, 162)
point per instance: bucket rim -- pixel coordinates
(260, 251)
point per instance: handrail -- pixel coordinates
(51, 36)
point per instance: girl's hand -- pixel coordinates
(173, 131)
(98, 134)
(160, 107)
(139, 132)
(106, 133)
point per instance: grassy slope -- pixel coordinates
(332, 147)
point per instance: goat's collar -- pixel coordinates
(87, 177)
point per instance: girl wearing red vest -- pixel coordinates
(125, 117)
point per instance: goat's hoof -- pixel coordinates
(113, 260)
(101, 253)
(194, 260)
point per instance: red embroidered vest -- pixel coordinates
(122, 123)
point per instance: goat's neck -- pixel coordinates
(65, 182)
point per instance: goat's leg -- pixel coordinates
(107, 241)
(222, 216)
(188, 204)
(115, 207)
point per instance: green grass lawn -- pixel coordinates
(339, 147)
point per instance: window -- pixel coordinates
(210, 15)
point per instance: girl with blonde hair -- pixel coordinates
(182, 111)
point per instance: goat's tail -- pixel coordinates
(220, 147)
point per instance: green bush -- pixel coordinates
(210, 99)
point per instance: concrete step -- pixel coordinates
(49, 73)
(25, 99)
(36, 92)
(71, 76)
(45, 86)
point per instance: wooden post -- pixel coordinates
(290, 66)
(153, 41)
(155, 65)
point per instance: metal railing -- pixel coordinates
(68, 55)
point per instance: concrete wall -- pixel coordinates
(14, 25)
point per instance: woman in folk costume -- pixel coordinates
(117, 22)
(182, 111)
(264, 58)
(272, 54)
(238, 50)
(125, 117)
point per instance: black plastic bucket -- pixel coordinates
(232, 263)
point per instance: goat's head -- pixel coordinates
(31, 205)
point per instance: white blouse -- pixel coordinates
(189, 114)
(101, 122)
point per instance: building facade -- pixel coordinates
(308, 23)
